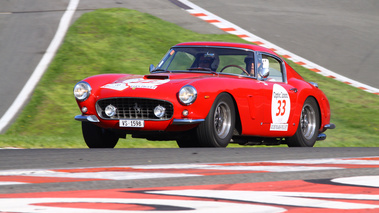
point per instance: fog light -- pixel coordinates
(185, 113)
(84, 109)
(110, 110)
(159, 111)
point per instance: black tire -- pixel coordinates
(217, 129)
(97, 137)
(307, 130)
(188, 140)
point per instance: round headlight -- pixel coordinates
(82, 90)
(187, 95)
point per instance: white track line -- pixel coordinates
(236, 30)
(41, 67)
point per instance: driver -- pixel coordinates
(249, 60)
(205, 62)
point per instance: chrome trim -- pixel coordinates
(88, 93)
(135, 108)
(314, 84)
(194, 94)
(329, 126)
(87, 118)
(321, 137)
(186, 121)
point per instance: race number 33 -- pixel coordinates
(280, 105)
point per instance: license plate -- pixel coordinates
(132, 123)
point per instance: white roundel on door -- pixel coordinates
(280, 105)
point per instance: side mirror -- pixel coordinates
(264, 73)
(151, 68)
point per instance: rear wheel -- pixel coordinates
(97, 137)
(217, 129)
(307, 131)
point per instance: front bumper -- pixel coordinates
(322, 136)
(87, 118)
(164, 125)
(94, 119)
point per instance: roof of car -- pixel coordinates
(227, 44)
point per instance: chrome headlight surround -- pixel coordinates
(82, 91)
(187, 95)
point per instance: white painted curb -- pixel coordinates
(238, 31)
(28, 88)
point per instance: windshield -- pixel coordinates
(208, 59)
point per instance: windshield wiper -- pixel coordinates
(161, 70)
(201, 69)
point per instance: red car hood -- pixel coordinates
(154, 81)
(159, 84)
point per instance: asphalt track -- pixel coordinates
(166, 180)
(190, 180)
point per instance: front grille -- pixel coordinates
(134, 108)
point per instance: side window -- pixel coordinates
(274, 67)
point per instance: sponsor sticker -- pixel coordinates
(116, 86)
(280, 108)
(278, 127)
(136, 83)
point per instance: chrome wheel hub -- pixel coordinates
(308, 121)
(222, 120)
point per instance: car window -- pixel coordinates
(224, 60)
(182, 62)
(273, 65)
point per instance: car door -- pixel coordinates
(280, 97)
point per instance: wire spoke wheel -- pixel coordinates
(222, 120)
(217, 129)
(307, 131)
(308, 121)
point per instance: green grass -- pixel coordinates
(127, 41)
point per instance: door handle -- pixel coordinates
(294, 90)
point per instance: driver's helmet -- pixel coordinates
(208, 60)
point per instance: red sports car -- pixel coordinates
(206, 94)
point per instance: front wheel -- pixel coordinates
(188, 140)
(97, 137)
(217, 129)
(307, 130)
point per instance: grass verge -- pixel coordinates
(127, 41)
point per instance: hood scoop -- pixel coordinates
(157, 77)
